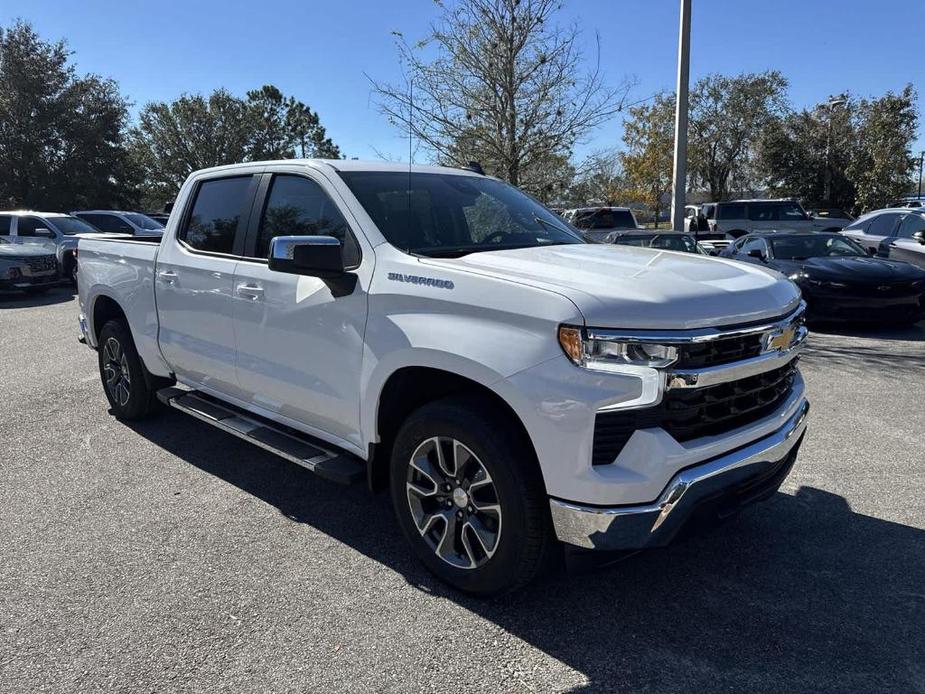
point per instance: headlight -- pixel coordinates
(611, 355)
(797, 276)
(826, 284)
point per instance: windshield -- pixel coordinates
(450, 215)
(605, 219)
(71, 225)
(668, 242)
(143, 221)
(815, 246)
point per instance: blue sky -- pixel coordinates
(319, 50)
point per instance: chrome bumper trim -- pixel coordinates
(735, 371)
(654, 524)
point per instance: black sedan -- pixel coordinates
(838, 279)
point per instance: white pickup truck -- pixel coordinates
(443, 335)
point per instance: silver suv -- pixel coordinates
(63, 230)
(739, 217)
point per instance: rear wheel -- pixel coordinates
(469, 497)
(129, 388)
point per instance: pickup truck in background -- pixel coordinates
(442, 335)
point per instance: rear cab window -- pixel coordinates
(218, 210)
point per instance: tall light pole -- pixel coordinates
(827, 174)
(921, 162)
(679, 175)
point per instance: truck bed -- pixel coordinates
(123, 270)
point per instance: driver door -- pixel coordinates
(300, 339)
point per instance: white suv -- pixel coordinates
(739, 217)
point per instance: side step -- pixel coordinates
(342, 468)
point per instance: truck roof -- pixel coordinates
(36, 212)
(350, 165)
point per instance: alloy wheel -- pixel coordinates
(116, 373)
(453, 502)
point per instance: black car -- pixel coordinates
(664, 240)
(838, 279)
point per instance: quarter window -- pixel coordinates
(217, 211)
(297, 206)
(882, 225)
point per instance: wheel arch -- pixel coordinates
(411, 387)
(104, 309)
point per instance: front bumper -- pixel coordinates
(745, 475)
(29, 281)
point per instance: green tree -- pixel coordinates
(648, 134)
(882, 163)
(870, 152)
(62, 137)
(172, 140)
(791, 155)
(307, 134)
(600, 179)
(727, 115)
(499, 82)
(272, 137)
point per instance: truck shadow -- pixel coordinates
(54, 295)
(798, 594)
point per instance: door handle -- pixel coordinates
(251, 291)
(167, 276)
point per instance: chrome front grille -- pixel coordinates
(723, 380)
(39, 263)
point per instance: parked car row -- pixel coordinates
(837, 276)
(61, 233)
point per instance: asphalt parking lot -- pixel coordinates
(167, 556)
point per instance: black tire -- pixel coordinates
(524, 539)
(132, 397)
(69, 269)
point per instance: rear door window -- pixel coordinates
(882, 225)
(763, 212)
(220, 208)
(730, 211)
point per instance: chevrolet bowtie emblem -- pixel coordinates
(779, 340)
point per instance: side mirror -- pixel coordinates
(315, 256)
(755, 253)
(920, 237)
(44, 233)
(871, 251)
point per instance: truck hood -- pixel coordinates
(20, 249)
(642, 288)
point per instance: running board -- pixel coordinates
(342, 468)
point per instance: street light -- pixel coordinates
(830, 106)
(679, 175)
(921, 161)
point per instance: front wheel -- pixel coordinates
(469, 497)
